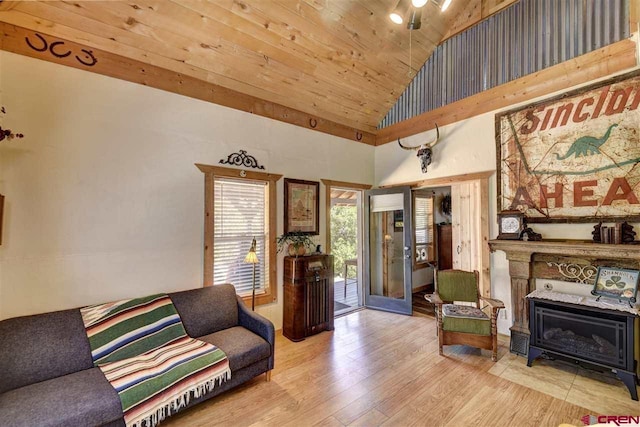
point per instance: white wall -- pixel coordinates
(465, 147)
(103, 200)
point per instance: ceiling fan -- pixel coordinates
(414, 9)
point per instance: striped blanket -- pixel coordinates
(143, 350)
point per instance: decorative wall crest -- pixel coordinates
(241, 158)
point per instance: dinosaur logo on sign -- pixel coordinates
(587, 145)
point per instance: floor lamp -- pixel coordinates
(252, 258)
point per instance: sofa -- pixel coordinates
(47, 377)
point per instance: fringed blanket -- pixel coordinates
(127, 328)
(158, 383)
(143, 350)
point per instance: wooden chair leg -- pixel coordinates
(268, 375)
(494, 336)
(494, 355)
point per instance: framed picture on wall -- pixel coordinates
(301, 208)
(572, 157)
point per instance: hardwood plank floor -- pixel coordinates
(382, 369)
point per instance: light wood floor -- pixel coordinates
(378, 368)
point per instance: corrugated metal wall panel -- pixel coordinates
(524, 38)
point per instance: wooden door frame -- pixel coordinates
(483, 178)
(328, 183)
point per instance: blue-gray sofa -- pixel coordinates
(47, 377)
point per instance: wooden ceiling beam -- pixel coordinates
(610, 59)
(112, 65)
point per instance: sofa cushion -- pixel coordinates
(241, 346)
(40, 347)
(83, 398)
(207, 310)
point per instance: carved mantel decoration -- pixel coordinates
(578, 273)
(550, 260)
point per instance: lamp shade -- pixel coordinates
(419, 3)
(251, 257)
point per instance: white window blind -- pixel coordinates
(423, 224)
(240, 214)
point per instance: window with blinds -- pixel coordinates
(240, 214)
(424, 229)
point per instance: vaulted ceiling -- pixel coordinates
(341, 61)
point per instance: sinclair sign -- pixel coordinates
(574, 157)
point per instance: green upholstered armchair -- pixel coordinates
(464, 324)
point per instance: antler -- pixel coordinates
(425, 145)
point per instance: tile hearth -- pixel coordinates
(602, 393)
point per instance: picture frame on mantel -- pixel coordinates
(301, 206)
(617, 283)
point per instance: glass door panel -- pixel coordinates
(388, 251)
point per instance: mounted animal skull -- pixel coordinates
(424, 150)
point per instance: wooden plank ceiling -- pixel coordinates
(340, 61)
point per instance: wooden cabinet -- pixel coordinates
(308, 296)
(445, 248)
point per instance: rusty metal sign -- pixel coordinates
(573, 158)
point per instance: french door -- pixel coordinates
(388, 251)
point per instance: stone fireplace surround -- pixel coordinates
(566, 260)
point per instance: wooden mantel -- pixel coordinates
(567, 247)
(520, 255)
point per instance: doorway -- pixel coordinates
(432, 234)
(344, 241)
(469, 222)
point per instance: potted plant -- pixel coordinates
(296, 243)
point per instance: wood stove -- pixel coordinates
(597, 337)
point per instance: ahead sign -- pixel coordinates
(573, 157)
